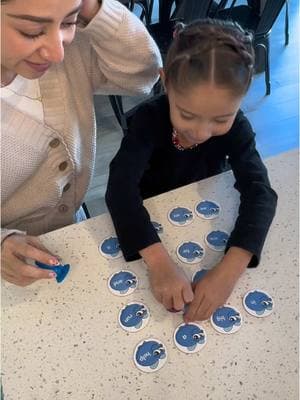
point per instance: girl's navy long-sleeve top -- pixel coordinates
(148, 164)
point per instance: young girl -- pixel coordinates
(182, 137)
(48, 124)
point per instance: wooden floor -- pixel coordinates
(275, 118)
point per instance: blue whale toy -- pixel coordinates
(133, 315)
(217, 239)
(111, 246)
(191, 251)
(150, 353)
(60, 270)
(208, 209)
(181, 215)
(122, 281)
(226, 318)
(190, 336)
(259, 302)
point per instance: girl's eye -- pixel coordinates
(187, 117)
(221, 122)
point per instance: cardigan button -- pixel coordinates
(63, 165)
(63, 208)
(54, 143)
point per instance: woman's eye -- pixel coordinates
(31, 35)
(67, 25)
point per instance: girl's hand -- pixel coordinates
(213, 290)
(169, 284)
(15, 250)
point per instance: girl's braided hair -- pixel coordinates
(210, 50)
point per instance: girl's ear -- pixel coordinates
(162, 78)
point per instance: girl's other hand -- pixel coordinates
(15, 250)
(169, 284)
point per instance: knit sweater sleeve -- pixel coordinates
(123, 57)
(123, 197)
(257, 199)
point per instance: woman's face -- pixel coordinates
(33, 35)
(202, 112)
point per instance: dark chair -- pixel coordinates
(260, 23)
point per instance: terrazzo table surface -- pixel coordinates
(62, 341)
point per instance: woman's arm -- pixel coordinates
(122, 56)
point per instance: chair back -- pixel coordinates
(268, 16)
(191, 10)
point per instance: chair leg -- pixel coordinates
(117, 106)
(286, 22)
(265, 49)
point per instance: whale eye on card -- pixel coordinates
(122, 283)
(110, 248)
(190, 338)
(150, 355)
(134, 317)
(61, 271)
(180, 216)
(207, 209)
(226, 320)
(217, 240)
(258, 303)
(158, 227)
(190, 252)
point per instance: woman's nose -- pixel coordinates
(53, 49)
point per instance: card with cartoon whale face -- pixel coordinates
(226, 319)
(217, 240)
(150, 355)
(158, 227)
(258, 303)
(207, 209)
(198, 275)
(190, 252)
(180, 216)
(190, 338)
(122, 283)
(134, 317)
(110, 248)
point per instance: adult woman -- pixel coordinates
(48, 129)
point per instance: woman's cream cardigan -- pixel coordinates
(46, 168)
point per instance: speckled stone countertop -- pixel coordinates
(62, 341)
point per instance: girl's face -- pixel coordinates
(33, 35)
(202, 112)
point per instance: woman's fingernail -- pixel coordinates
(54, 261)
(52, 275)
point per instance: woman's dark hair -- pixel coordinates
(210, 50)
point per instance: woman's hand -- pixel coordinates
(168, 282)
(213, 290)
(15, 250)
(89, 9)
